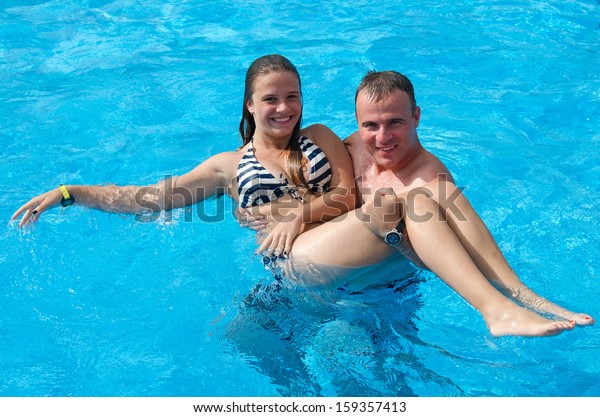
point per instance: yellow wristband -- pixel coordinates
(67, 200)
(64, 192)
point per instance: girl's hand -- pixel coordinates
(279, 240)
(247, 219)
(36, 206)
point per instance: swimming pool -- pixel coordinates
(129, 92)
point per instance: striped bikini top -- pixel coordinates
(257, 186)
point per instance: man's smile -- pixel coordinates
(386, 148)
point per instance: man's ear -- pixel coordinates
(417, 116)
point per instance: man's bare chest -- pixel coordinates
(368, 183)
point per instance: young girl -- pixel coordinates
(307, 171)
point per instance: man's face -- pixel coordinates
(387, 128)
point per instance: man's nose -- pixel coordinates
(383, 135)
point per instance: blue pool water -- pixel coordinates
(128, 92)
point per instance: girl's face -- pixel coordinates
(276, 104)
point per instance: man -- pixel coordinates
(411, 204)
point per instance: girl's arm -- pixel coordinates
(198, 184)
(291, 216)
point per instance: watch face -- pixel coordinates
(393, 238)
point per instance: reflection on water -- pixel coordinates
(335, 342)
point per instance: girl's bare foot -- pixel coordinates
(518, 321)
(530, 299)
(581, 319)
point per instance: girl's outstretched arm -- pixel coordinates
(202, 182)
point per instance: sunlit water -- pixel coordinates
(129, 92)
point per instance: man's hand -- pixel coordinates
(382, 212)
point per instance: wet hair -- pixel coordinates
(262, 66)
(380, 85)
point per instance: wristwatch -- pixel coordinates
(394, 236)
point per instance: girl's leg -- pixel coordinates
(440, 249)
(485, 253)
(343, 242)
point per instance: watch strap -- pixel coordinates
(401, 227)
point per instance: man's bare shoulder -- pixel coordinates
(350, 141)
(430, 169)
(360, 157)
(351, 137)
(433, 164)
(353, 145)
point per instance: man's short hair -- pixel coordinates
(379, 85)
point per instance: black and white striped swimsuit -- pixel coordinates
(257, 186)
